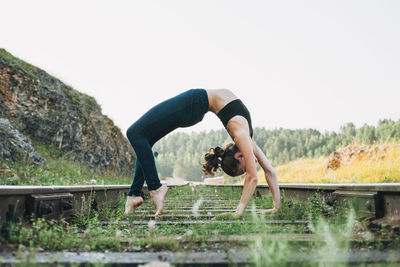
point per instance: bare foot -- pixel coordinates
(132, 202)
(158, 197)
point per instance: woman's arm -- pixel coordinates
(245, 145)
(270, 176)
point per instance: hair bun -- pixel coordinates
(213, 160)
(221, 158)
(219, 152)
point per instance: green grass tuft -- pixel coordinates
(58, 170)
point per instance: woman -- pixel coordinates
(187, 109)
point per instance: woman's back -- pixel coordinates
(219, 98)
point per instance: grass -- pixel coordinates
(28, 68)
(363, 170)
(329, 240)
(57, 171)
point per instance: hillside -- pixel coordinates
(352, 164)
(38, 108)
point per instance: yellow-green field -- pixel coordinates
(361, 170)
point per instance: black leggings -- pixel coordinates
(183, 110)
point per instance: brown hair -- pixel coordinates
(217, 158)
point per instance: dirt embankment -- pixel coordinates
(349, 154)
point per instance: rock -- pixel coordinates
(16, 147)
(334, 161)
(348, 154)
(51, 112)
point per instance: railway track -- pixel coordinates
(316, 226)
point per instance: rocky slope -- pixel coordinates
(351, 153)
(45, 109)
(15, 147)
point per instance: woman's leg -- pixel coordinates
(135, 194)
(183, 110)
(138, 181)
(146, 166)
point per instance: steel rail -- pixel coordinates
(379, 201)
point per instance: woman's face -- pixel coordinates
(241, 167)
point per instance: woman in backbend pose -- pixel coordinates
(187, 109)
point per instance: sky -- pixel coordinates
(295, 64)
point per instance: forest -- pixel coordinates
(181, 154)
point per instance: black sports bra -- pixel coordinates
(233, 108)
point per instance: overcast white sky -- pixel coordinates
(295, 64)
